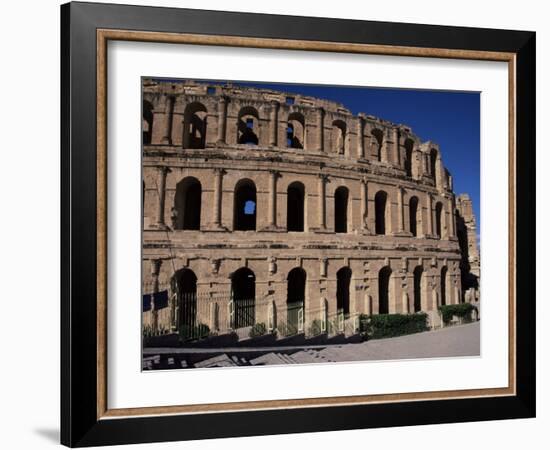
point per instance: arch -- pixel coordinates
(147, 122)
(339, 136)
(295, 211)
(378, 141)
(187, 205)
(194, 125)
(413, 215)
(248, 126)
(384, 277)
(409, 145)
(295, 298)
(341, 200)
(184, 283)
(443, 282)
(243, 294)
(380, 210)
(244, 217)
(418, 275)
(343, 281)
(438, 215)
(295, 133)
(433, 162)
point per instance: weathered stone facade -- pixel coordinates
(251, 190)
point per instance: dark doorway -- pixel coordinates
(384, 290)
(413, 215)
(248, 126)
(186, 290)
(295, 207)
(295, 299)
(341, 210)
(418, 288)
(245, 206)
(343, 280)
(380, 212)
(188, 204)
(408, 156)
(195, 118)
(243, 289)
(147, 122)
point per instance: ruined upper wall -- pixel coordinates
(191, 115)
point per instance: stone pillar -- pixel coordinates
(273, 199)
(360, 140)
(395, 137)
(155, 270)
(222, 119)
(168, 117)
(364, 205)
(384, 157)
(430, 230)
(161, 187)
(273, 123)
(400, 219)
(452, 220)
(218, 193)
(321, 129)
(322, 201)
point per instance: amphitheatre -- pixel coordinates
(274, 208)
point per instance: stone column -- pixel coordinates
(360, 140)
(364, 205)
(384, 151)
(322, 201)
(430, 230)
(321, 129)
(222, 119)
(155, 270)
(400, 221)
(168, 117)
(273, 199)
(273, 123)
(452, 220)
(218, 193)
(395, 137)
(161, 187)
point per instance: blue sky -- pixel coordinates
(449, 118)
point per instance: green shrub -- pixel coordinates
(190, 333)
(390, 325)
(286, 329)
(462, 310)
(258, 329)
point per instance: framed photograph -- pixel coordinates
(277, 224)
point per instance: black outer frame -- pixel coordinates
(79, 423)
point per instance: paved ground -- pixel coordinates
(461, 340)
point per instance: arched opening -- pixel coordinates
(245, 206)
(194, 125)
(438, 214)
(295, 207)
(339, 136)
(341, 210)
(443, 285)
(147, 122)
(248, 126)
(380, 208)
(418, 271)
(343, 281)
(384, 277)
(377, 143)
(409, 144)
(295, 299)
(295, 132)
(184, 283)
(413, 215)
(187, 205)
(433, 162)
(243, 293)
